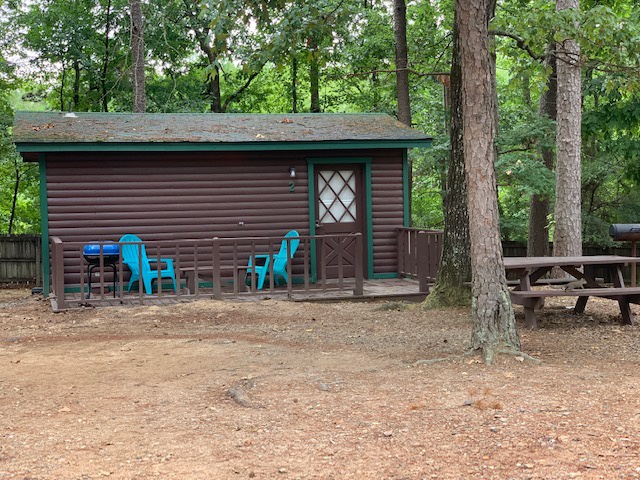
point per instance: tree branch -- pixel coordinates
(520, 42)
(414, 72)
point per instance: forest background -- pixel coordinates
(263, 56)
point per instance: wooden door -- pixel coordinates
(340, 209)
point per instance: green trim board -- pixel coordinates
(406, 189)
(37, 147)
(384, 276)
(311, 188)
(366, 161)
(44, 219)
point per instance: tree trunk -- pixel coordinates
(402, 63)
(538, 238)
(314, 77)
(137, 56)
(455, 267)
(214, 89)
(567, 238)
(76, 84)
(63, 78)
(494, 328)
(14, 202)
(294, 84)
(105, 62)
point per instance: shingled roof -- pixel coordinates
(54, 131)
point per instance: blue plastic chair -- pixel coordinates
(261, 262)
(131, 257)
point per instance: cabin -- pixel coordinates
(194, 186)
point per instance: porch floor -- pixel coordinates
(386, 289)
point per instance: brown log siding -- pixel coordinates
(387, 208)
(174, 196)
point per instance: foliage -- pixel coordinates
(74, 54)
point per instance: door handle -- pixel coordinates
(318, 224)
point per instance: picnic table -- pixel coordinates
(583, 285)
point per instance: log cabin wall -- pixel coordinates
(199, 195)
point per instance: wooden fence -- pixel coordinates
(20, 259)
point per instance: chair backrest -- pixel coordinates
(130, 253)
(281, 257)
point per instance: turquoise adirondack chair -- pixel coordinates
(261, 262)
(131, 257)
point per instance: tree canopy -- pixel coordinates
(337, 56)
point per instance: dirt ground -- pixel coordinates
(282, 390)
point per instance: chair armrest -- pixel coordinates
(266, 259)
(168, 261)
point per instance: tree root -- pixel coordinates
(487, 356)
(517, 353)
(432, 361)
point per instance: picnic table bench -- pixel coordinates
(530, 271)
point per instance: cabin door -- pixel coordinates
(340, 209)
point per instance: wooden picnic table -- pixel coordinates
(530, 271)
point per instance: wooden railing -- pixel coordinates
(213, 268)
(419, 252)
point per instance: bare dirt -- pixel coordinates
(282, 390)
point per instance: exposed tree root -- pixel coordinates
(431, 361)
(487, 355)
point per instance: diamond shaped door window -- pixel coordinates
(337, 195)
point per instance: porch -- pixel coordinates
(324, 268)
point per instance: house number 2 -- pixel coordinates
(292, 187)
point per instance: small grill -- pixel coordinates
(110, 255)
(625, 231)
(629, 232)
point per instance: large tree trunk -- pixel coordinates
(538, 239)
(494, 328)
(455, 267)
(137, 57)
(567, 238)
(402, 63)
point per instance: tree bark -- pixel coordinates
(455, 267)
(214, 88)
(494, 327)
(539, 206)
(76, 84)
(105, 61)
(402, 62)
(137, 57)
(14, 202)
(294, 84)
(314, 77)
(567, 238)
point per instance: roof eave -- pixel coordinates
(51, 147)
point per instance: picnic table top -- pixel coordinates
(514, 263)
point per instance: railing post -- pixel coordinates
(217, 287)
(359, 290)
(422, 247)
(400, 252)
(58, 271)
